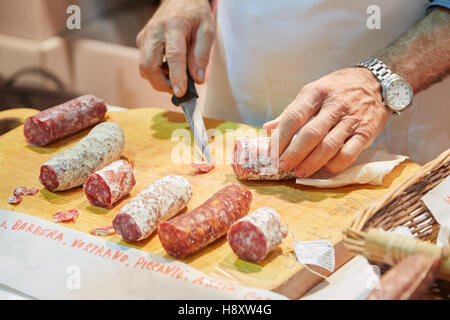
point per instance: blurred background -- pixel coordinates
(43, 63)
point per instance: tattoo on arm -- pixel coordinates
(421, 55)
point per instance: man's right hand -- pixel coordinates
(183, 31)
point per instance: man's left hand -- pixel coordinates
(339, 116)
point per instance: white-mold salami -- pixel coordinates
(71, 168)
(160, 201)
(255, 235)
(252, 161)
(63, 120)
(110, 184)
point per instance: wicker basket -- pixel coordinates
(403, 206)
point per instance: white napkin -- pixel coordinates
(370, 167)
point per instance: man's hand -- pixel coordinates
(339, 116)
(183, 31)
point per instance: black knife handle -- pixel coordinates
(190, 92)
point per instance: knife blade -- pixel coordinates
(188, 104)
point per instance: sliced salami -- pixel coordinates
(252, 161)
(160, 201)
(255, 235)
(15, 199)
(66, 216)
(202, 167)
(71, 168)
(110, 184)
(63, 120)
(103, 231)
(190, 232)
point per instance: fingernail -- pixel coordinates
(300, 173)
(176, 91)
(200, 74)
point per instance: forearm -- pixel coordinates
(421, 55)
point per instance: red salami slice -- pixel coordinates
(190, 232)
(252, 161)
(254, 236)
(71, 168)
(160, 201)
(66, 216)
(63, 120)
(24, 191)
(110, 184)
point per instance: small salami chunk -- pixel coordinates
(71, 168)
(15, 199)
(103, 231)
(63, 120)
(410, 279)
(190, 232)
(160, 201)
(254, 236)
(66, 216)
(251, 160)
(110, 184)
(202, 167)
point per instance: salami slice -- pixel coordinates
(63, 120)
(160, 201)
(103, 231)
(15, 199)
(66, 216)
(71, 168)
(202, 167)
(252, 161)
(110, 184)
(254, 236)
(190, 232)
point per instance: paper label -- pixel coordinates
(49, 261)
(318, 253)
(437, 201)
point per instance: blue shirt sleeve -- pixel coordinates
(440, 3)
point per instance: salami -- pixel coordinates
(63, 120)
(254, 236)
(160, 201)
(71, 168)
(190, 232)
(202, 167)
(66, 216)
(103, 231)
(19, 192)
(410, 279)
(110, 184)
(252, 161)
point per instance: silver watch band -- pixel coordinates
(377, 67)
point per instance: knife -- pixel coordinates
(188, 104)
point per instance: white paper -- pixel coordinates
(437, 201)
(443, 237)
(353, 281)
(49, 261)
(318, 253)
(370, 167)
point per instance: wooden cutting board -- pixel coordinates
(311, 213)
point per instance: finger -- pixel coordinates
(348, 153)
(272, 124)
(329, 147)
(297, 114)
(150, 61)
(176, 59)
(307, 139)
(199, 51)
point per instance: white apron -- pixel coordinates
(267, 50)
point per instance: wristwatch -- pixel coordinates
(397, 93)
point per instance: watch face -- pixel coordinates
(398, 94)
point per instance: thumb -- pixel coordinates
(272, 124)
(199, 50)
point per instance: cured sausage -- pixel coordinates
(19, 192)
(251, 160)
(202, 167)
(66, 216)
(410, 279)
(63, 120)
(110, 184)
(71, 168)
(190, 232)
(160, 201)
(254, 236)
